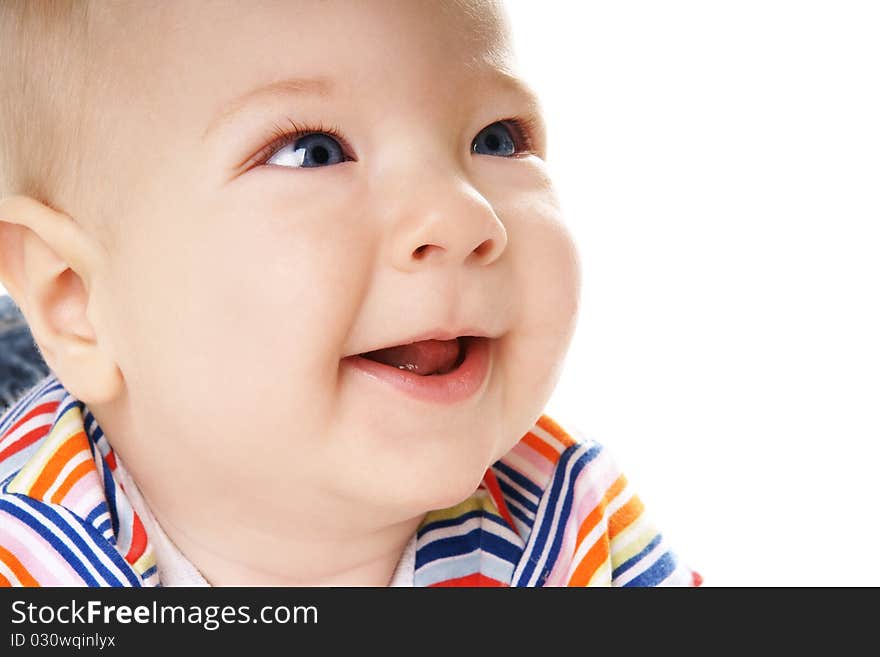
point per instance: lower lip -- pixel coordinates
(455, 386)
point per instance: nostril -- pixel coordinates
(424, 250)
(484, 247)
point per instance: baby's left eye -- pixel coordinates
(495, 139)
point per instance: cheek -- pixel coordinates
(548, 279)
(250, 309)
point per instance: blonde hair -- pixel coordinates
(44, 77)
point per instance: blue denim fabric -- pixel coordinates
(21, 365)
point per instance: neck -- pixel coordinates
(266, 558)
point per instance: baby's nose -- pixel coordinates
(448, 226)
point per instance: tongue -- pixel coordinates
(424, 358)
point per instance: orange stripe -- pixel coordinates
(59, 459)
(17, 568)
(75, 475)
(624, 516)
(4, 583)
(596, 514)
(541, 447)
(550, 426)
(592, 561)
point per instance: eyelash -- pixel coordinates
(523, 132)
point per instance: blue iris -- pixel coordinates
(494, 139)
(319, 150)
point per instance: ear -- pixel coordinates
(50, 265)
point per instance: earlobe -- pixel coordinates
(49, 265)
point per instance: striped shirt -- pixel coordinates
(554, 511)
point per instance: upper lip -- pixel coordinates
(432, 334)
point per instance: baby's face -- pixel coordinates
(251, 271)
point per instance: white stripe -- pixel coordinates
(461, 565)
(548, 438)
(453, 530)
(37, 421)
(513, 504)
(101, 518)
(489, 526)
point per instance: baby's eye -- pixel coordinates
(495, 139)
(311, 150)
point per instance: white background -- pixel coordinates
(719, 165)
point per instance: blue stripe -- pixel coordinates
(632, 561)
(567, 502)
(519, 479)
(559, 477)
(103, 527)
(50, 538)
(149, 572)
(110, 494)
(658, 571)
(519, 513)
(64, 526)
(476, 539)
(99, 509)
(460, 520)
(510, 492)
(66, 404)
(24, 403)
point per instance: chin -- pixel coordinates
(427, 487)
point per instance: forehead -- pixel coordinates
(191, 46)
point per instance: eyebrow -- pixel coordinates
(277, 89)
(324, 87)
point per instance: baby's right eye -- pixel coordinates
(300, 150)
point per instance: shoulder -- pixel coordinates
(56, 528)
(583, 522)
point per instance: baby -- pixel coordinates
(304, 289)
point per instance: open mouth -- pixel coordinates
(437, 371)
(426, 357)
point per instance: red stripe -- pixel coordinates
(48, 407)
(138, 541)
(27, 439)
(495, 491)
(474, 579)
